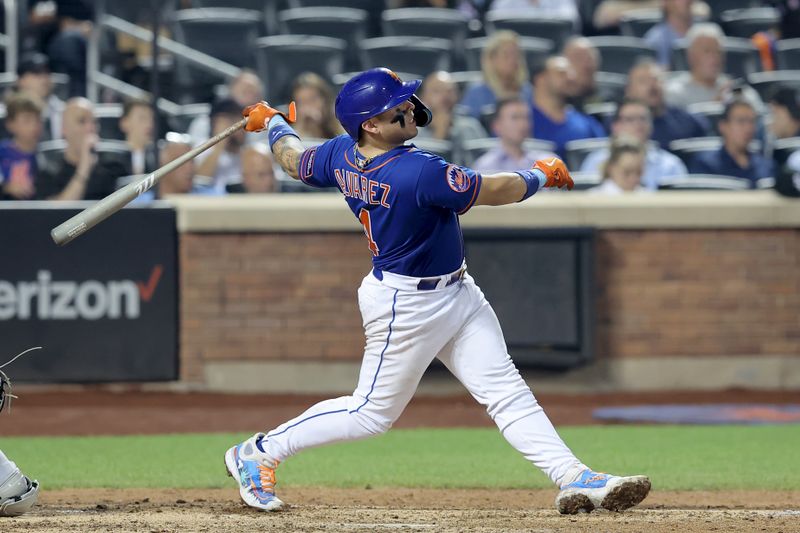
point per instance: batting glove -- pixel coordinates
(258, 115)
(556, 173)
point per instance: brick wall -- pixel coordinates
(659, 293)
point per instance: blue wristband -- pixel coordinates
(534, 179)
(278, 127)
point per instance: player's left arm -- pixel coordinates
(283, 140)
(511, 187)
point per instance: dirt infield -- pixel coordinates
(96, 411)
(389, 510)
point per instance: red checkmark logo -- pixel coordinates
(146, 290)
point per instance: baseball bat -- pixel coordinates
(102, 209)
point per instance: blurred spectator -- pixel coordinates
(18, 155)
(505, 74)
(76, 173)
(790, 18)
(784, 106)
(669, 123)
(440, 94)
(567, 9)
(585, 61)
(244, 89)
(180, 180)
(663, 36)
(633, 120)
(222, 162)
(705, 81)
(258, 172)
(609, 12)
(553, 118)
(622, 171)
(67, 49)
(137, 124)
(512, 125)
(738, 128)
(33, 77)
(314, 99)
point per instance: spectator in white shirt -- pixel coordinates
(137, 124)
(512, 125)
(221, 163)
(633, 119)
(622, 172)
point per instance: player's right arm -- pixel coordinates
(511, 187)
(287, 151)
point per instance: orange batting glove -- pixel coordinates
(556, 173)
(258, 115)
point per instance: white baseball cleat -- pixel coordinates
(594, 489)
(255, 473)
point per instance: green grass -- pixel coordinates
(675, 457)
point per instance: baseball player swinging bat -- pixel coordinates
(91, 216)
(418, 302)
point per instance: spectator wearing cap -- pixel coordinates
(632, 119)
(505, 74)
(512, 125)
(33, 77)
(738, 128)
(222, 162)
(584, 57)
(440, 94)
(78, 173)
(678, 18)
(705, 81)
(784, 106)
(258, 171)
(67, 49)
(669, 122)
(554, 119)
(137, 123)
(18, 154)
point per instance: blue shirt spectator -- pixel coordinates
(675, 123)
(480, 98)
(663, 36)
(15, 164)
(721, 162)
(18, 155)
(576, 125)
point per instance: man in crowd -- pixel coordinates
(678, 18)
(33, 77)
(738, 128)
(244, 89)
(784, 105)
(632, 119)
(553, 118)
(512, 125)
(137, 124)
(222, 163)
(669, 122)
(77, 173)
(258, 172)
(585, 61)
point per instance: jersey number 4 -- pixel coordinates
(363, 216)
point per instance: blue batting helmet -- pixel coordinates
(368, 94)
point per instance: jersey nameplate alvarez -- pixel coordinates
(408, 201)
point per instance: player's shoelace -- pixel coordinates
(266, 479)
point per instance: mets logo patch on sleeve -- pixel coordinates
(457, 179)
(307, 163)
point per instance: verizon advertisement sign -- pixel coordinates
(104, 307)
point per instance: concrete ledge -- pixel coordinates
(662, 210)
(619, 375)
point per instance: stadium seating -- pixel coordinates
(747, 22)
(107, 116)
(281, 58)
(610, 86)
(741, 57)
(783, 148)
(766, 82)
(585, 180)
(712, 111)
(475, 148)
(788, 54)
(694, 182)
(439, 147)
(530, 23)
(535, 50)
(578, 149)
(602, 111)
(340, 22)
(637, 22)
(687, 148)
(407, 54)
(225, 33)
(619, 53)
(448, 24)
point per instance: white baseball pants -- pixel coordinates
(405, 329)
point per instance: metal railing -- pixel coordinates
(10, 39)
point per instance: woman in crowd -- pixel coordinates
(314, 98)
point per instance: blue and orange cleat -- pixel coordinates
(255, 473)
(594, 489)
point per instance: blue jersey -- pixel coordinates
(407, 200)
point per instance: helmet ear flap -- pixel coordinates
(422, 114)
